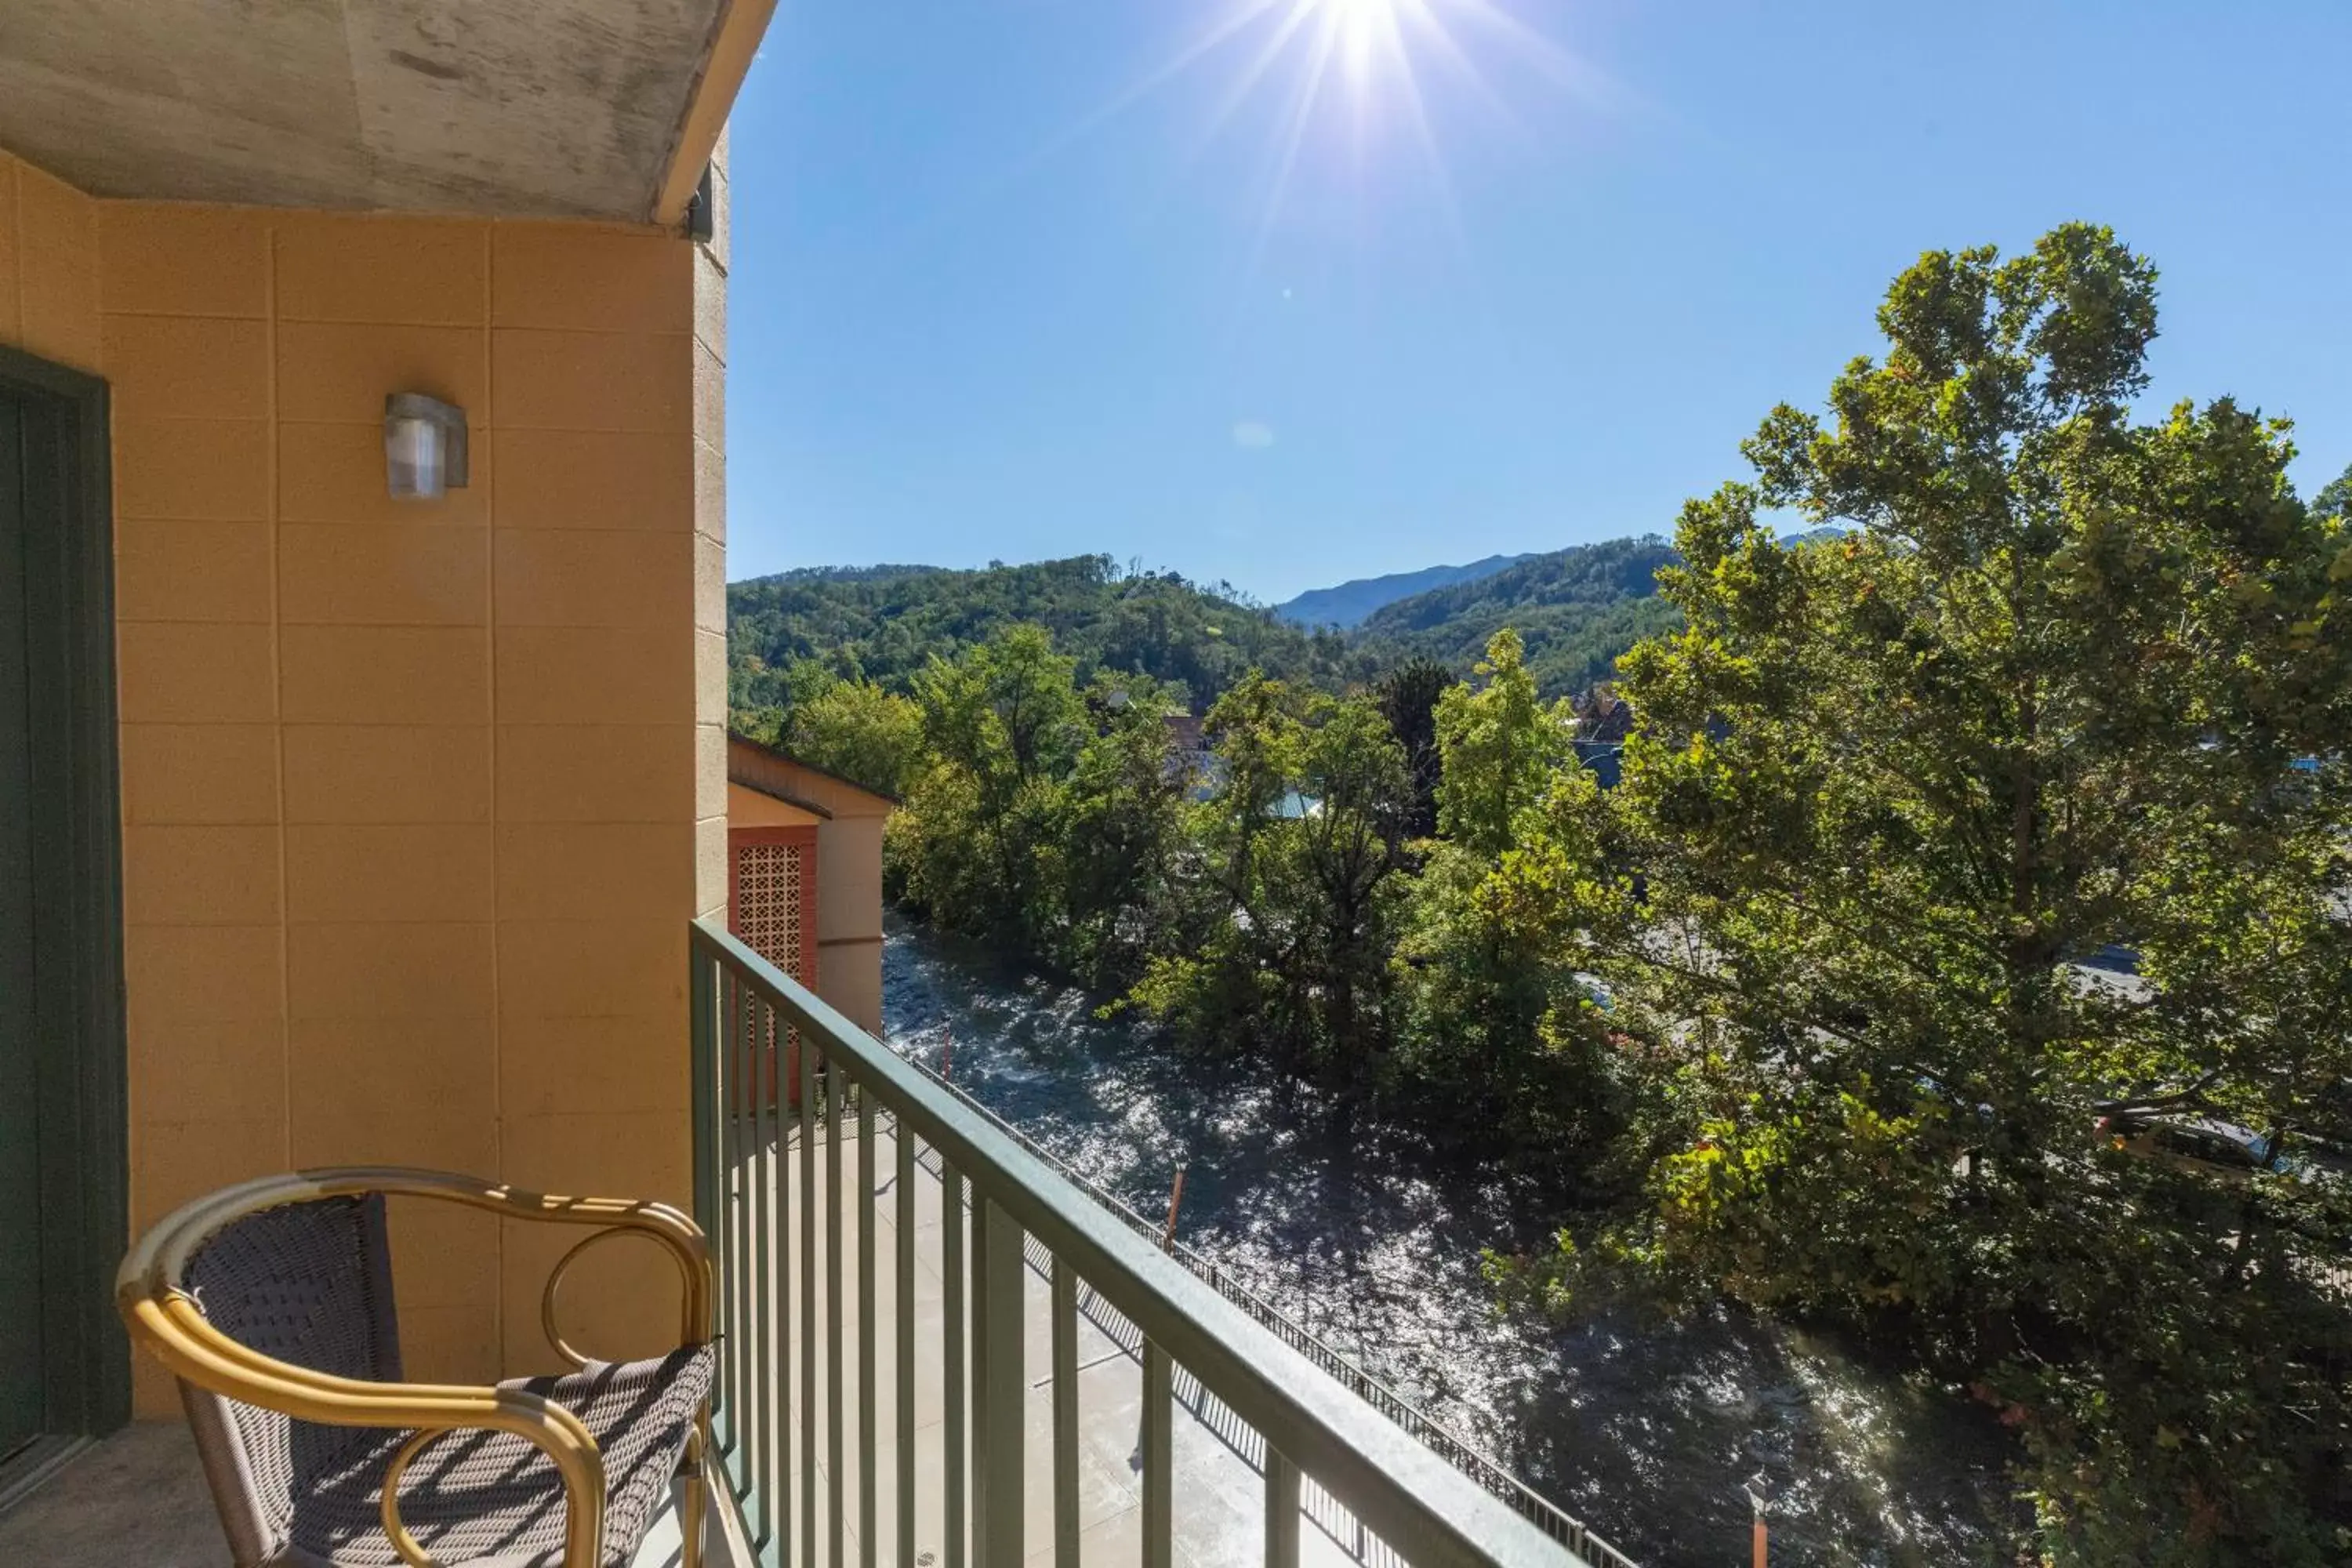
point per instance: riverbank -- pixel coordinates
(1645, 1429)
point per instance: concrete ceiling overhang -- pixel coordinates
(536, 108)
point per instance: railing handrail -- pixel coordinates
(1548, 1516)
(1404, 1491)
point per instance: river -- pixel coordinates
(1643, 1428)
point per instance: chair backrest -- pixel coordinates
(309, 1283)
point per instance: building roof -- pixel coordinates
(602, 109)
(737, 738)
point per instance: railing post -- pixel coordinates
(1158, 1441)
(1281, 1510)
(869, 1548)
(701, 983)
(999, 1390)
(837, 1332)
(951, 1281)
(902, 1143)
(806, 1125)
(1065, 1415)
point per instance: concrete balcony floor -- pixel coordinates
(137, 1499)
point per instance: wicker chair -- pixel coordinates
(272, 1303)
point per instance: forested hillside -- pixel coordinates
(791, 637)
(1576, 610)
(795, 636)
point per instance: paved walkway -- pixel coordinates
(1219, 1493)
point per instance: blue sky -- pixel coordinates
(1023, 278)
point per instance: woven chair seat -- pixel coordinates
(309, 1283)
(490, 1499)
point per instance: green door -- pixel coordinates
(21, 1380)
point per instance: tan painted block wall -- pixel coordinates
(417, 799)
(849, 917)
(750, 808)
(48, 290)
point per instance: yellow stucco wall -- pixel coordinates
(48, 290)
(750, 808)
(417, 798)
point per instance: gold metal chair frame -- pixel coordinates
(166, 1320)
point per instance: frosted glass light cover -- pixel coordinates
(423, 447)
(413, 457)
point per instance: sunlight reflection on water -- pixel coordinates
(1642, 1429)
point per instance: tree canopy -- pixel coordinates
(2061, 689)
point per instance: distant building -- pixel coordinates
(805, 874)
(1604, 720)
(1190, 755)
(1604, 717)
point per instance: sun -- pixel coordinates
(1360, 27)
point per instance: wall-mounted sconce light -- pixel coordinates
(423, 447)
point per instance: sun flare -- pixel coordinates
(1383, 77)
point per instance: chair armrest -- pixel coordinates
(160, 1259)
(678, 1235)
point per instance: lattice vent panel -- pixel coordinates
(768, 903)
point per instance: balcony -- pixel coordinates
(938, 1350)
(1003, 1367)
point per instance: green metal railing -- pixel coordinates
(779, 1080)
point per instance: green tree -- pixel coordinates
(862, 732)
(2334, 497)
(1123, 831)
(1288, 919)
(1497, 1031)
(1889, 791)
(1408, 697)
(1008, 710)
(1499, 745)
(1347, 840)
(1214, 980)
(978, 847)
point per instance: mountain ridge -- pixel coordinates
(1576, 610)
(1346, 605)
